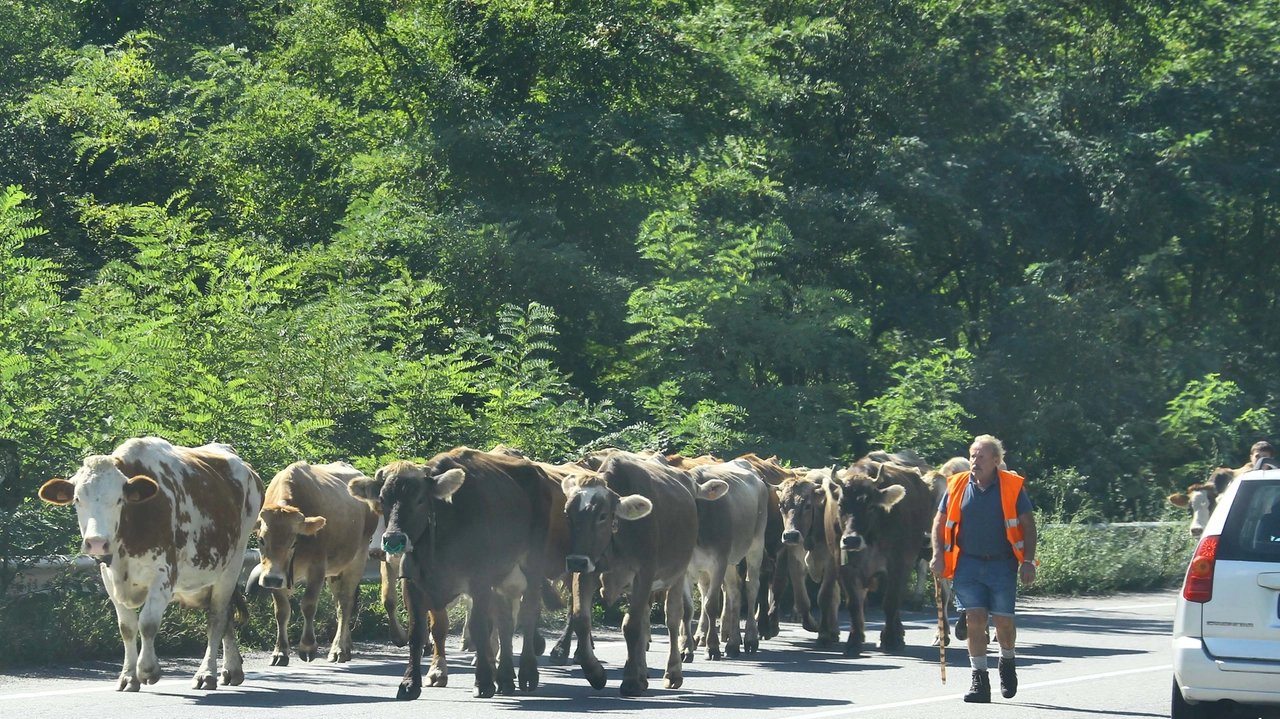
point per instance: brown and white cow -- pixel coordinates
(774, 575)
(166, 522)
(875, 516)
(731, 530)
(1201, 499)
(803, 503)
(634, 524)
(466, 522)
(312, 529)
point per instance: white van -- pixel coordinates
(1226, 629)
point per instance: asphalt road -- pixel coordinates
(1077, 657)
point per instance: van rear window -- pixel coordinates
(1252, 530)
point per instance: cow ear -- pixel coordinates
(365, 488)
(444, 485)
(891, 495)
(634, 506)
(712, 489)
(140, 488)
(311, 525)
(569, 484)
(1179, 500)
(58, 491)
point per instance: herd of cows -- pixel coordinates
(168, 522)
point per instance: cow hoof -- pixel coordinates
(506, 687)
(962, 628)
(436, 678)
(559, 655)
(713, 655)
(673, 681)
(205, 682)
(596, 676)
(306, 655)
(340, 656)
(232, 679)
(400, 640)
(752, 647)
(409, 692)
(127, 684)
(631, 688)
(732, 651)
(528, 676)
(149, 673)
(699, 640)
(484, 691)
(686, 657)
(851, 650)
(279, 659)
(809, 624)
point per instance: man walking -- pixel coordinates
(984, 539)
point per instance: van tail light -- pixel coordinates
(1199, 584)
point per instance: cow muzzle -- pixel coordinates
(96, 546)
(1197, 531)
(852, 542)
(395, 543)
(791, 536)
(271, 581)
(578, 564)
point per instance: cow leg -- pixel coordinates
(731, 602)
(219, 623)
(344, 588)
(505, 628)
(465, 641)
(158, 599)
(712, 604)
(829, 607)
(753, 586)
(232, 662)
(310, 600)
(280, 655)
(416, 602)
(390, 572)
(797, 570)
(530, 612)
(892, 635)
(585, 586)
(559, 655)
(857, 591)
(687, 644)
(127, 620)
(635, 629)
(481, 616)
(438, 620)
(674, 614)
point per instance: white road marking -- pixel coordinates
(952, 697)
(108, 685)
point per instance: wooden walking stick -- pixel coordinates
(942, 627)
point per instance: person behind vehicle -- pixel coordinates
(984, 539)
(1262, 457)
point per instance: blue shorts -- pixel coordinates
(990, 584)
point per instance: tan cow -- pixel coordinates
(166, 522)
(312, 529)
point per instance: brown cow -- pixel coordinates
(634, 524)
(312, 529)
(803, 502)
(774, 573)
(166, 522)
(1202, 498)
(875, 517)
(466, 522)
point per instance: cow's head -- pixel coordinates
(100, 490)
(593, 511)
(406, 491)
(281, 528)
(1201, 499)
(864, 504)
(802, 503)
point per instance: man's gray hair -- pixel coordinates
(992, 442)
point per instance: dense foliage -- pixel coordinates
(380, 228)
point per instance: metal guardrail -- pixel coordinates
(37, 576)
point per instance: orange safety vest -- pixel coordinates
(1010, 486)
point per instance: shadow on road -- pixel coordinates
(1078, 710)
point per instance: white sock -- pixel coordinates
(978, 663)
(1006, 653)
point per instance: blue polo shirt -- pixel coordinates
(982, 518)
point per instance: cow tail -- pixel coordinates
(551, 598)
(240, 607)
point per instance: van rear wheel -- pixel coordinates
(1180, 708)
